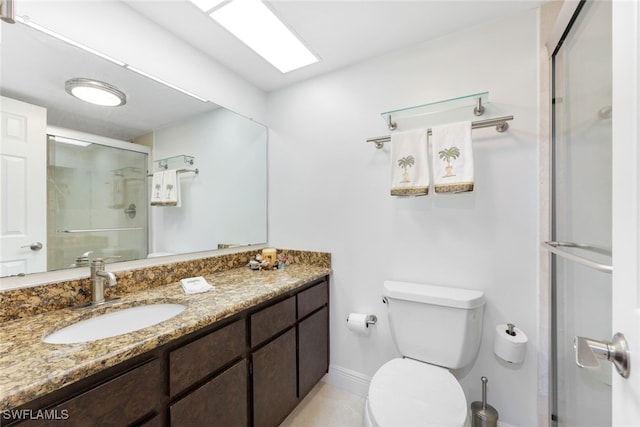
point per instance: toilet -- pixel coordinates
(435, 329)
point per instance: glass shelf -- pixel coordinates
(180, 161)
(128, 170)
(434, 108)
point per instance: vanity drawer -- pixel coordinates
(312, 298)
(120, 401)
(200, 358)
(271, 320)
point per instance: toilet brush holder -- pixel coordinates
(483, 414)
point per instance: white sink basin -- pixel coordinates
(114, 323)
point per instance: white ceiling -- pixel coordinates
(340, 32)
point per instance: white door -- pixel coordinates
(23, 201)
(626, 204)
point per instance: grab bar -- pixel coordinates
(555, 248)
(98, 230)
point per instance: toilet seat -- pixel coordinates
(406, 392)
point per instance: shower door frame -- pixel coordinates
(625, 213)
(115, 144)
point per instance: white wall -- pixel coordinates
(329, 190)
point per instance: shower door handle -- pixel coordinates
(35, 246)
(589, 353)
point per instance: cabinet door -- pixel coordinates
(313, 336)
(274, 380)
(121, 401)
(220, 402)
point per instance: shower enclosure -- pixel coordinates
(582, 214)
(97, 202)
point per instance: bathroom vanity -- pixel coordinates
(244, 354)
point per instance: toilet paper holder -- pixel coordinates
(371, 319)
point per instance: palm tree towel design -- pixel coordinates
(452, 158)
(409, 163)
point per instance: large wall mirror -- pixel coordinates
(97, 194)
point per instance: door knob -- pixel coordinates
(35, 246)
(589, 352)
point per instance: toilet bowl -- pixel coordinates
(406, 392)
(435, 329)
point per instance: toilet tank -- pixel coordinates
(435, 324)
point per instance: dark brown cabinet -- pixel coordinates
(124, 399)
(274, 380)
(220, 402)
(250, 369)
(313, 352)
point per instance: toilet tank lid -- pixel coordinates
(432, 294)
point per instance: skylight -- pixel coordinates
(206, 5)
(255, 25)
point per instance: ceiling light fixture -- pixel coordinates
(259, 28)
(95, 92)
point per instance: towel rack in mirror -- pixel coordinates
(196, 171)
(499, 122)
(555, 247)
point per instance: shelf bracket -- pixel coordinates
(478, 110)
(391, 124)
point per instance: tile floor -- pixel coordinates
(327, 406)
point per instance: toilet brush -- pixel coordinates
(483, 414)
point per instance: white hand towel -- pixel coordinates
(195, 285)
(157, 185)
(171, 188)
(409, 163)
(452, 158)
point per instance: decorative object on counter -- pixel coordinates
(283, 260)
(195, 285)
(483, 414)
(258, 262)
(270, 255)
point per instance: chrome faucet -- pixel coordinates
(98, 274)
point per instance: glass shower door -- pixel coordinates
(582, 171)
(97, 202)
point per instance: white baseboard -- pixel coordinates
(349, 380)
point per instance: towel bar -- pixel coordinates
(196, 171)
(101, 230)
(555, 248)
(499, 122)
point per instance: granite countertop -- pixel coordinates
(30, 368)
